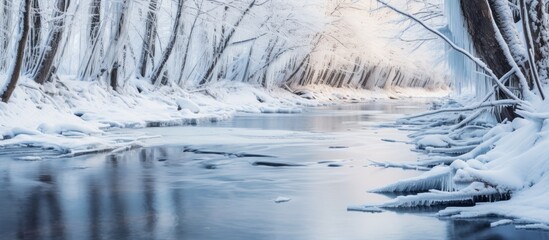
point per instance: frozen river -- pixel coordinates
(221, 180)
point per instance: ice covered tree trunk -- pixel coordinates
(94, 50)
(218, 50)
(148, 39)
(5, 34)
(33, 48)
(479, 24)
(539, 25)
(505, 22)
(15, 69)
(303, 65)
(479, 19)
(45, 66)
(171, 43)
(532, 65)
(95, 20)
(268, 56)
(188, 43)
(116, 45)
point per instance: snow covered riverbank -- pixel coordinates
(74, 117)
(479, 169)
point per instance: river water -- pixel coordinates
(222, 180)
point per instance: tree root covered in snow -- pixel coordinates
(467, 162)
(439, 178)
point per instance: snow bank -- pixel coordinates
(74, 117)
(505, 174)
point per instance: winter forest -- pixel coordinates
(269, 119)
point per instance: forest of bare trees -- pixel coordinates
(187, 44)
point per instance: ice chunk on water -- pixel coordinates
(30, 158)
(501, 222)
(370, 209)
(537, 226)
(282, 199)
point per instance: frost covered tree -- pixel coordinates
(46, 63)
(192, 44)
(17, 64)
(147, 51)
(469, 156)
(171, 43)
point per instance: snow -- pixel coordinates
(467, 155)
(433, 141)
(507, 169)
(186, 104)
(75, 117)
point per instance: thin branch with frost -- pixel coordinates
(468, 119)
(477, 61)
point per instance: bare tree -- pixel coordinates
(223, 44)
(46, 65)
(111, 61)
(15, 70)
(94, 50)
(148, 48)
(171, 43)
(189, 40)
(5, 34)
(34, 41)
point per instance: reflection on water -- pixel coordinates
(324, 119)
(191, 190)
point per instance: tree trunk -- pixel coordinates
(94, 51)
(46, 63)
(34, 41)
(218, 51)
(188, 44)
(115, 46)
(479, 24)
(18, 64)
(166, 55)
(5, 34)
(245, 75)
(483, 34)
(539, 25)
(531, 61)
(506, 24)
(148, 39)
(95, 20)
(268, 56)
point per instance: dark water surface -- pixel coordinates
(220, 181)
